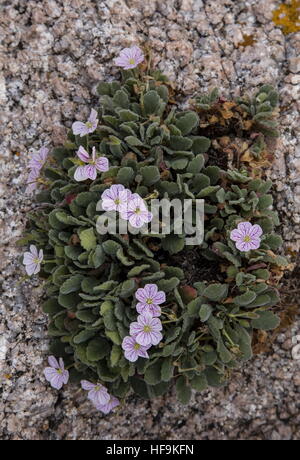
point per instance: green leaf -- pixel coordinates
(173, 244)
(266, 321)
(216, 292)
(125, 175)
(111, 247)
(167, 369)
(121, 99)
(183, 390)
(245, 298)
(88, 239)
(199, 382)
(150, 175)
(151, 102)
(71, 285)
(168, 285)
(115, 355)
(83, 336)
(114, 337)
(97, 349)
(133, 141)
(200, 144)
(153, 373)
(128, 115)
(205, 312)
(187, 122)
(193, 306)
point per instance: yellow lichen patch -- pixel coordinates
(287, 16)
(248, 40)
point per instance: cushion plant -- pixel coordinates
(209, 297)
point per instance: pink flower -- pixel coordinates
(246, 236)
(38, 159)
(56, 374)
(108, 407)
(130, 58)
(94, 164)
(32, 181)
(32, 260)
(134, 350)
(115, 198)
(97, 393)
(149, 300)
(146, 330)
(86, 128)
(137, 213)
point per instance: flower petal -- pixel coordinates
(244, 227)
(31, 269)
(53, 362)
(91, 172)
(102, 164)
(256, 231)
(80, 174)
(86, 385)
(79, 128)
(83, 154)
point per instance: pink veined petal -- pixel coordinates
(44, 153)
(256, 231)
(152, 310)
(243, 246)
(91, 172)
(93, 127)
(37, 269)
(93, 116)
(135, 328)
(65, 377)
(255, 243)
(121, 61)
(128, 343)
(53, 362)
(151, 290)
(141, 295)
(159, 298)
(27, 258)
(109, 205)
(102, 164)
(131, 355)
(136, 221)
(145, 320)
(41, 255)
(156, 324)
(107, 408)
(31, 268)
(94, 154)
(61, 364)
(99, 396)
(80, 174)
(126, 214)
(126, 53)
(86, 385)
(142, 353)
(30, 188)
(34, 251)
(244, 227)
(155, 337)
(83, 154)
(49, 373)
(236, 235)
(79, 128)
(144, 338)
(57, 381)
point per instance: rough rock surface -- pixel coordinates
(52, 53)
